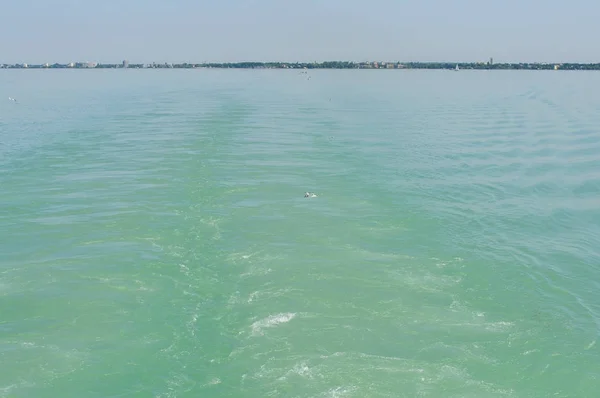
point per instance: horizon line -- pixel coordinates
(206, 63)
(302, 62)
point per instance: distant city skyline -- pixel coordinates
(146, 31)
(490, 65)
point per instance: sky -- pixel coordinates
(143, 31)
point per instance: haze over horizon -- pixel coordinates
(37, 31)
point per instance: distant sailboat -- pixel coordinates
(456, 69)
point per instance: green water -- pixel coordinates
(155, 241)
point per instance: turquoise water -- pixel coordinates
(155, 241)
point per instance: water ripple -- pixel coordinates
(155, 239)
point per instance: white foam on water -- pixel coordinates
(191, 325)
(256, 271)
(213, 382)
(253, 295)
(184, 269)
(5, 391)
(473, 319)
(142, 287)
(441, 263)
(593, 343)
(178, 384)
(300, 369)
(501, 326)
(234, 299)
(530, 352)
(334, 355)
(267, 294)
(440, 375)
(263, 372)
(176, 251)
(303, 370)
(494, 327)
(211, 221)
(252, 257)
(242, 256)
(339, 392)
(157, 247)
(271, 321)
(376, 255)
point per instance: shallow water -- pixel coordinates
(155, 241)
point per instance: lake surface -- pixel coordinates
(155, 240)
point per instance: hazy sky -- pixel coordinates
(37, 31)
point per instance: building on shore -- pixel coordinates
(85, 65)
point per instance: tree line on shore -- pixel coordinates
(321, 65)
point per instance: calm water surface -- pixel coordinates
(155, 241)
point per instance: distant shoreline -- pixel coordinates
(318, 65)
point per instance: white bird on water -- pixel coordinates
(310, 195)
(12, 99)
